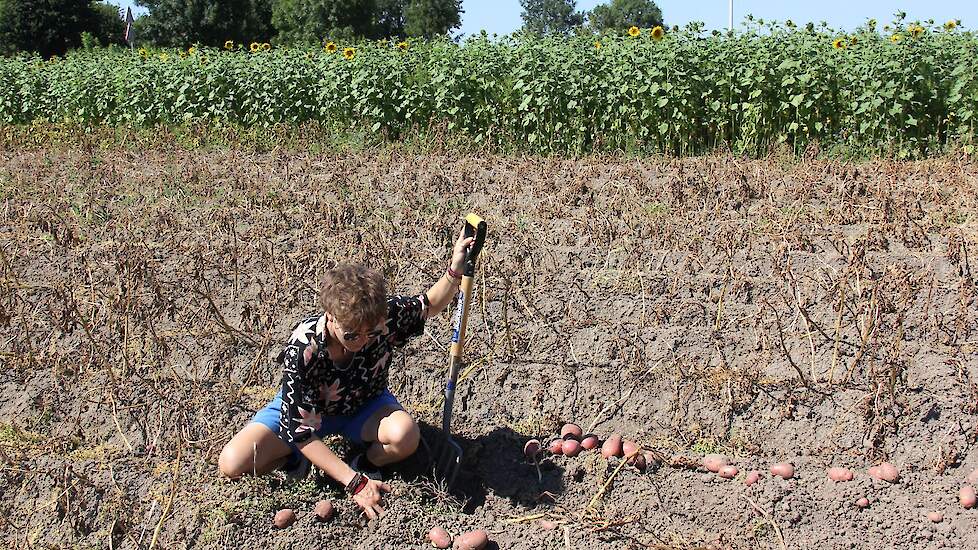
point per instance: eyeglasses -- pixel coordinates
(350, 336)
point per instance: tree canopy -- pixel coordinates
(621, 14)
(208, 22)
(49, 27)
(551, 16)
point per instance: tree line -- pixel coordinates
(52, 27)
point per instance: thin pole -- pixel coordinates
(730, 16)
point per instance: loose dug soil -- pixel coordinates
(817, 313)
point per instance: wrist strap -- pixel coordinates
(356, 484)
(453, 274)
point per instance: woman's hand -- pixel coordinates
(371, 496)
(458, 253)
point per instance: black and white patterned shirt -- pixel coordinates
(314, 387)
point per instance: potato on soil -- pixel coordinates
(629, 447)
(439, 537)
(571, 447)
(862, 502)
(885, 472)
(589, 442)
(284, 518)
(839, 474)
(713, 462)
(473, 540)
(557, 447)
(532, 448)
(611, 447)
(752, 478)
(639, 462)
(571, 431)
(728, 472)
(324, 510)
(785, 470)
(967, 496)
(936, 517)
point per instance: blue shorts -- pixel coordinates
(349, 427)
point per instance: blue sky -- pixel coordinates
(503, 16)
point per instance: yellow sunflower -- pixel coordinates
(853, 40)
(143, 53)
(950, 25)
(915, 31)
(349, 53)
(403, 46)
(896, 38)
(330, 47)
(658, 32)
(164, 57)
(255, 47)
(839, 43)
(229, 45)
(634, 31)
(597, 45)
(191, 51)
(266, 46)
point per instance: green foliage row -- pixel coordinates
(907, 91)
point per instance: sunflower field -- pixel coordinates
(904, 91)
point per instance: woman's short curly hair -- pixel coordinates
(355, 295)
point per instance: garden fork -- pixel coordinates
(449, 457)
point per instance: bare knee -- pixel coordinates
(231, 464)
(400, 433)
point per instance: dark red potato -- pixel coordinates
(639, 462)
(284, 518)
(571, 447)
(473, 540)
(611, 447)
(589, 442)
(324, 510)
(557, 447)
(571, 431)
(532, 448)
(439, 537)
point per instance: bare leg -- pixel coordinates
(395, 435)
(254, 450)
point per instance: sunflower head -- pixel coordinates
(330, 47)
(597, 45)
(634, 31)
(839, 43)
(658, 32)
(853, 40)
(229, 45)
(349, 53)
(254, 47)
(164, 56)
(143, 53)
(403, 46)
(951, 25)
(896, 38)
(191, 51)
(915, 31)
(266, 46)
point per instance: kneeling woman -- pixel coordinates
(334, 381)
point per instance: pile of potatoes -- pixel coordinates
(572, 441)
